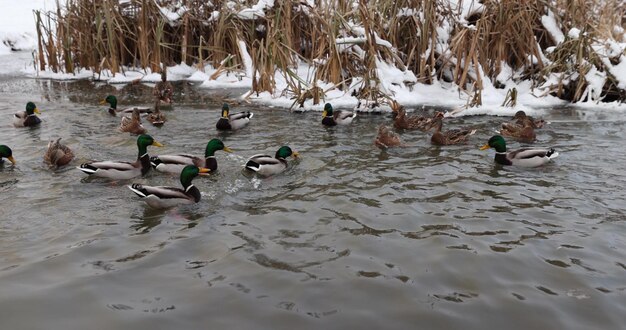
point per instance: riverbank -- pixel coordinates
(459, 54)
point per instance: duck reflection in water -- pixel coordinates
(151, 217)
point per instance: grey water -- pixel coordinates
(349, 236)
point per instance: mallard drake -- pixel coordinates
(521, 133)
(27, 118)
(523, 120)
(163, 90)
(176, 163)
(58, 154)
(156, 118)
(113, 110)
(386, 138)
(164, 197)
(266, 165)
(132, 124)
(332, 118)
(449, 137)
(6, 152)
(233, 121)
(124, 170)
(402, 121)
(524, 157)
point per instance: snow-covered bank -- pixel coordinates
(456, 79)
(17, 24)
(18, 37)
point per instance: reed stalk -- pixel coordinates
(343, 41)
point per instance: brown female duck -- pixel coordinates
(156, 118)
(402, 121)
(164, 90)
(449, 137)
(524, 133)
(58, 154)
(523, 120)
(386, 138)
(132, 124)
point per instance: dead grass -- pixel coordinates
(343, 41)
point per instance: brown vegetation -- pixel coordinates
(342, 40)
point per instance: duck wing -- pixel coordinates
(186, 159)
(240, 115)
(142, 110)
(162, 192)
(110, 165)
(527, 153)
(255, 162)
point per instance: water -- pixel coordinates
(415, 237)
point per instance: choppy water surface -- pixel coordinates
(416, 237)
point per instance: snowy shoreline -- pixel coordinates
(400, 85)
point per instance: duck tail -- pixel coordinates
(87, 168)
(138, 189)
(253, 166)
(155, 161)
(552, 154)
(251, 114)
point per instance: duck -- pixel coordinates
(132, 124)
(58, 154)
(524, 133)
(165, 197)
(333, 118)
(233, 121)
(113, 110)
(449, 137)
(266, 165)
(6, 152)
(124, 170)
(524, 157)
(402, 121)
(156, 118)
(164, 90)
(27, 118)
(176, 163)
(523, 120)
(387, 138)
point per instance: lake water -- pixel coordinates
(350, 236)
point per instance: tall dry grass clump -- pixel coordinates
(345, 43)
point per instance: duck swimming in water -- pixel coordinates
(233, 121)
(124, 170)
(524, 157)
(266, 165)
(331, 117)
(164, 196)
(113, 110)
(27, 118)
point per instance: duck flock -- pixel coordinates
(188, 166)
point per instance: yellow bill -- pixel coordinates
(157, 144)
(227, 149)
(11, 159)
(36, 111)
(485, 147)
(204, 170)
(103, 101)
(295, 154)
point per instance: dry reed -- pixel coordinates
(343, 41)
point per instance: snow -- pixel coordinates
(17, 23)
(17, 26)
(573, 33)
(257, 10)
(549, 22)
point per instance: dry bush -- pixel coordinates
(343, 41)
